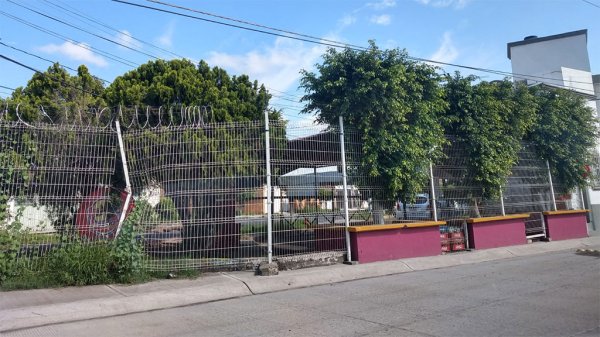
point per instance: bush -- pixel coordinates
(9, 246)
(74, 263)
(127, 253)
(78, 264)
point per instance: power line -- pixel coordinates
(5, 87)
(45, 75)
(285, 98)
(283, 92)
(47, 60)
(252, 23)
(344, 45)
(78, 13)
(232, 25)
(64, 38)
(591, 3)
(83, 30)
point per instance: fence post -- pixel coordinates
(126, 174)
(551, 186)
(581, 200)
(269, 197)
(502, 202)
(345, 183)
(433, 198)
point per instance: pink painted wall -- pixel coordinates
(566, 226)
(330, 238)
(395, 244)
(499, 233)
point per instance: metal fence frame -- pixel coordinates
(258, 191)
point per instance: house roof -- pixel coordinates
(544, 38)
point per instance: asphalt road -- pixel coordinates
(555, 294)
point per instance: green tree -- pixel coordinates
(62, 96)
(489, 119)
(180, 82)
(393, 102)
(565, 134)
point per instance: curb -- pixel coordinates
(115, 300)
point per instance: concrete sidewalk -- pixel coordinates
(34, 308)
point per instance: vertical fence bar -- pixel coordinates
(126, 174)
(345, 183)
(433, 198)
(551, 186)
(269, 198)
(502, 203)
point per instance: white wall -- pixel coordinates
(597, 92)
(548, 58)
(562, 62)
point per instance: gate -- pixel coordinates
(535, 226)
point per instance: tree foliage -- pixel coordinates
(393, 102)
(180, 82)
(565, 134)
(61, 95)
(489, 119)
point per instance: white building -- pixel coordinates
(563, 61)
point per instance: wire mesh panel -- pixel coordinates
(55, 185)
(308, 207)
(370, 199)
(528, 190)
(201, 188)
(458, 197)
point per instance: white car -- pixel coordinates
(419, 210)
(422, 209)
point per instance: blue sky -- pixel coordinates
(467, 32)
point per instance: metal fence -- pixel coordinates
(56, 185)
(213, 197)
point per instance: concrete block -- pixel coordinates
(268, 269)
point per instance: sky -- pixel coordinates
(473, 33)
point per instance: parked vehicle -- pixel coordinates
(422, 209)
(419, 210)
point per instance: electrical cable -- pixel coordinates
(45, 75)
(231, 25)
(252, 24)
(47, 60)
(339, 44)
(591, 3)
(83, 30)
(344, 45)
(64, 38)
(97, 22)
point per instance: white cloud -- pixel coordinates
(447, 51)
(77, 52)
(383, 19)
(347, 20)
(383, 4)
(277, 66)
(124, 37)
(166, 39)
(445, 3)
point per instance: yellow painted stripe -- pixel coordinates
(570, 211)
(498, 218)
(356, 229)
